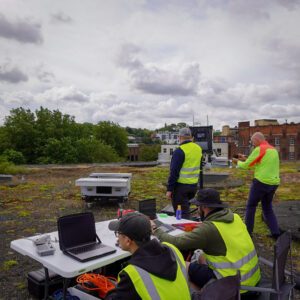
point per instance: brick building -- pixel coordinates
(284, 137)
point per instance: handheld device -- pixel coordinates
(43, 245)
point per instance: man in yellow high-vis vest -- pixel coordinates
(264, 160)
(184, 172)
(155, 271)
(224, 239)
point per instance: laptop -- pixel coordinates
(78, 238)
(148, 208)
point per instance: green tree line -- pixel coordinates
(50, 137)
(46, 136)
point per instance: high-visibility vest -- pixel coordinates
(151, 287)
(189, 173)
(240, 254)
(263, 147)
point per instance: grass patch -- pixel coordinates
(7, 265)
(24, 213)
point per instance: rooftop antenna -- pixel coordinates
(207, 119)
(193, 120)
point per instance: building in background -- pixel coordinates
(133, 152)
(284, 137)
(167, 137)
(230, 141)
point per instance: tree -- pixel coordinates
(4, 140)
(13, 156)
(59, 151)
(114, 135)
(92, 150)
(149, 152)
(20, 127)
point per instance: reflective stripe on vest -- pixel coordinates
(189, 173)
(240, 254)
(263, 147)
(151, 287)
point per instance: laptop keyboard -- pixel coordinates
(86, 248)
(165, 227)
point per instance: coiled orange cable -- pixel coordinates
(103, 284)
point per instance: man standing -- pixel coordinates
(264, 160)
(224, 239)
(184, 172)
(155, 271)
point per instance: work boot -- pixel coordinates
(275, 236)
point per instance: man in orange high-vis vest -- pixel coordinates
(264, 160)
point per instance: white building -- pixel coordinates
(220, 155)
(167, 137)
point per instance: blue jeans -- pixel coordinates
(264, 193)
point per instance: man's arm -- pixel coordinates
(175, 167)
(205, 237)
(187, 240)
(245, 164)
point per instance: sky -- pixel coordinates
(144, 63)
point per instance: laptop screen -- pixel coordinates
(76, 229)
(148, 208)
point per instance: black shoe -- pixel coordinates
(273, 236)
(276, 235)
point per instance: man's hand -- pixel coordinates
(169, 195)
(235, 160)
(153, 226)
(242, 157)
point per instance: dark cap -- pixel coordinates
(134, 225)
(209, 198)
(185, 132)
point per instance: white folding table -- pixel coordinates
(68, 267)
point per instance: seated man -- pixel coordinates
(155, 271)
(224, 239)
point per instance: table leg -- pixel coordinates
(65, 287)
(47, 281)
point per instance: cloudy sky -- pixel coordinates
(145, 63)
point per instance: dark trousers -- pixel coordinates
(200, 274)
(264, 193)
(181, 196)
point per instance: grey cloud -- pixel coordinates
(289, 4)
(253, 9)
(43, 74)
(127, 59)
(285, 55)
(282, 110)
(61, 17)
(12, 75)
(76, 97)
(155, 80)
(61, 95)
(23, 31)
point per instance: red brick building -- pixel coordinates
(285, 137)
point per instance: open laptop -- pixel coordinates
(78, 238)
(148, 208)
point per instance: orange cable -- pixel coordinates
(102, 283)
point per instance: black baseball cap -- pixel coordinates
(135, 225)
(209, 198)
